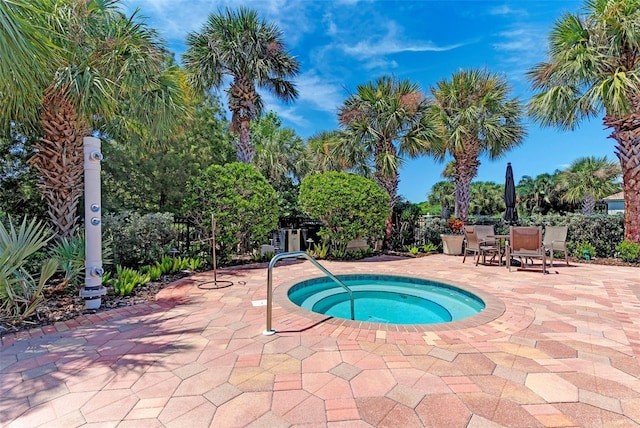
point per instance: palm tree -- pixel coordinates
(388, 118)
(593, 65)
(279, 151)
(95, 67)
(477, 118)
(239, 45)
(326, 151)
(487, 198)
(442, 194)
(589, 179)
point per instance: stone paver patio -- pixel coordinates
(557, 350)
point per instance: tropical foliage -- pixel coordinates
(76, 67)
(590, 179)
(252, 52)
(153, 178)
(478, 118)
(388, 119)
(348, 205)
(21, 289)
(592, 68)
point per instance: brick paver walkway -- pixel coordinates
(556, 350)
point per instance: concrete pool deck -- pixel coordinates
(563, 350)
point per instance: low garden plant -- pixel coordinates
(127, 279)
(629, 251)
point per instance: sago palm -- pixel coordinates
(388, 119)
(95, 67)
(593, 67)
(252, 53)
(589, 179)
(477, 117)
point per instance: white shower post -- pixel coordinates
(93, 289)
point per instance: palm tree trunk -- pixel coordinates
(388, 183)
(588, 204)
(59, 163)
(466, 168)
(245, 151)
(626, 132)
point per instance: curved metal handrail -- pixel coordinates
(292, 255)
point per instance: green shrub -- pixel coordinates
(601, 230)
(242, 202)
(128, 279)
(585, 250)
(628, 251)
(349, 207)
(139, 240)
(431, 229)
(20, 289)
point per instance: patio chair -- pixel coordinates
(477, 246)
(555, 241)
(526, 243)
(484, 231)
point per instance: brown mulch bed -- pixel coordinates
(69, 305)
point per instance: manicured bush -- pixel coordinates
(137, 239)
(602, 231)
(242, 202)
(349, 206)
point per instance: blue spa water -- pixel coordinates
(387, 299)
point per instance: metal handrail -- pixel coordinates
(269, 331)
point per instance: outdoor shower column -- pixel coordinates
(93, 289)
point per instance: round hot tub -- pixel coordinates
(386, 299)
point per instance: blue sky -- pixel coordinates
(344, 43)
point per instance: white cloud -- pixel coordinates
(319, 92)
(391, 43)
(332, 28)
(507, 10)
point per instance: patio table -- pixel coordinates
(501, 248)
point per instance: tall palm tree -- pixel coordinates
(279, 151)
(388, 118)
(237, 44)
(589, 179)
(478, 118)
(95, 67)
(327, 152)
(593, 66)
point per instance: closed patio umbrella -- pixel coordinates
(510, 214)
